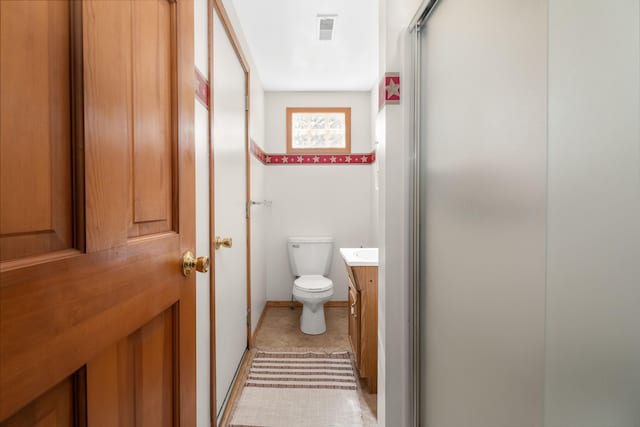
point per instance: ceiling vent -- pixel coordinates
(326, 26)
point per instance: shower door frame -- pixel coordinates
(416, 272)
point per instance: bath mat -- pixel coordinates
(299, 389)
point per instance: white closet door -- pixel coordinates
(229, 192)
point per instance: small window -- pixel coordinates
(318, 130)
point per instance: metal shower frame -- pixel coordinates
(415, 28)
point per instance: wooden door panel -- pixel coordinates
(110, 393)
(107, 121)
(133, 147)
(92, 301)
(153, 135)
(154, 367)
(53, 409)
(132, 383)
(35, 141)
(62, 311)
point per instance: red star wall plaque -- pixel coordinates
(202, 89)
(389, 90)
(392, 88)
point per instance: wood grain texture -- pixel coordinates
(35, 136)
(103, 296)
(185, 112)
(354, 324)
(111, 387)
(132, 381)
(155, 357)
(53, 409)
(153, 142)
(107, 120)
(77, 126)
(365, 280)
(25, 118)
(60, 312)
(60, 112)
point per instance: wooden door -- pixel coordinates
(97, 322)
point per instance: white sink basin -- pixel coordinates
(360, 257)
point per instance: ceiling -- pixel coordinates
(283, 41)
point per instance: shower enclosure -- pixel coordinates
(527, 212)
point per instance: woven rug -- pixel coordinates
(299, 389)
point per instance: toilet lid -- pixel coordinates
(313, 283)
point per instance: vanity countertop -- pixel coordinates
(360, 257)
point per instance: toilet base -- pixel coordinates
(312, 319)
(313, 323)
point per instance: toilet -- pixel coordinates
(310, 261)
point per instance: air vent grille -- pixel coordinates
(326, 24)
(326, 27)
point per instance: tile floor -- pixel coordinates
(280, 331)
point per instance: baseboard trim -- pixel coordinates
(252, 343)
(298, 304)
(281, 304)
(336, 304)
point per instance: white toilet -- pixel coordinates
(310, 260)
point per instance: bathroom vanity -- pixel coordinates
(362, 270)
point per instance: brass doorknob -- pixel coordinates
(190, 263)
(226, 242)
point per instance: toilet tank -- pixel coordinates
(310, 255)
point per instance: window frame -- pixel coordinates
(347, 136)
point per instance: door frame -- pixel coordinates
(416, 369)
(218, 7)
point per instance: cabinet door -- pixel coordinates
(354, 323)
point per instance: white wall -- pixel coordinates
(394, 124)
(308, 200)
(259, 217)
(275, 116)
(593, 262)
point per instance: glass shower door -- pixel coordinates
(529, 136)
(592, 370)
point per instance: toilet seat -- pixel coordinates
(313, 283)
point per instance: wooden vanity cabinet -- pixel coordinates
(354, 322)
(363, 322)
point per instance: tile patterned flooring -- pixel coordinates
(280, 330)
